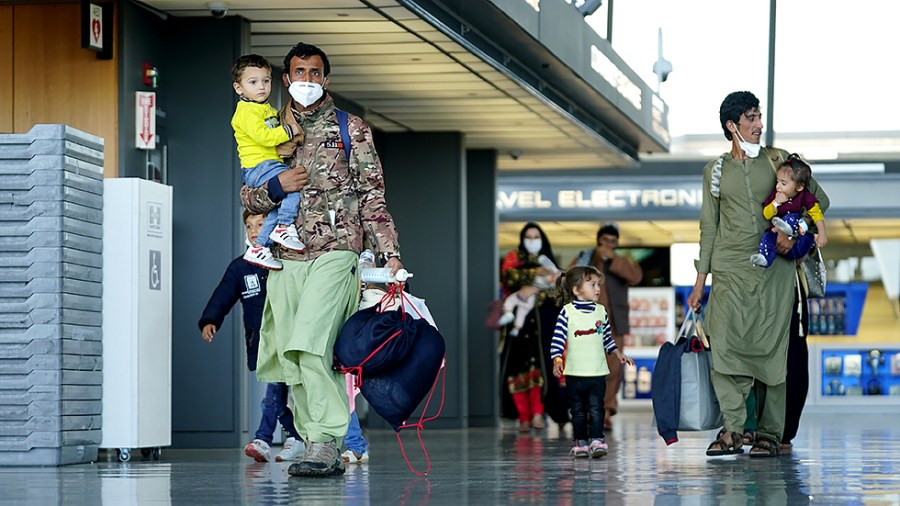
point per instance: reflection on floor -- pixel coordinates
(840, 459)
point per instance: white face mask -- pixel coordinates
(532, 246)
(752, 150)
(305, 93)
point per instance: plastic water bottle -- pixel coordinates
(383, 275)
(366, 260)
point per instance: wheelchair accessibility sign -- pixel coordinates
(155, 270)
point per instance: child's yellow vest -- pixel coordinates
(585, 355)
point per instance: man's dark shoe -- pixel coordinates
(321, 459)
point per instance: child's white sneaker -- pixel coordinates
(351, 457)
(262, 256)
(291, 449)
(258, 449)
(288, 237)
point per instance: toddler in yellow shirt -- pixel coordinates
(258, 132)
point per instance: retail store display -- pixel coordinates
(637, 378)
(827, 315)
(854, 372)
(840, 311)
(651, 315)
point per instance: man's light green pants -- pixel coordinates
(306, 304)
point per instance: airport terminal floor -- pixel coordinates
(838, 459)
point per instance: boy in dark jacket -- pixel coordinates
(247, 282)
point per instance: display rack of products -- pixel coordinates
(651, 316)
(637, 378)
(827, 316)
(838, 313)
(860, 372)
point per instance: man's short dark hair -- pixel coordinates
(608, 229)
(304, 51)
(248, 60)
(734, 105)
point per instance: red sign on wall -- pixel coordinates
(145, 120)
(95, 37)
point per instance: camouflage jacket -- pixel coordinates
(342, 207)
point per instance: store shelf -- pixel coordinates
(854, 374)
(636, 379)
(839, 313)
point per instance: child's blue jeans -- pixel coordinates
(287, 209)
(354, 439)
(274, 409)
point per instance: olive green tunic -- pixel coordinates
(749, 310)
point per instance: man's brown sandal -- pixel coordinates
(765, 447)
(720, 447)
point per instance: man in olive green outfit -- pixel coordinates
(749, 310)
(307, 302)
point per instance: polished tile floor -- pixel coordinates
(839, 459)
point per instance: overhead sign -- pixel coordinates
(588, 198)
(624, 198)
(145, 120)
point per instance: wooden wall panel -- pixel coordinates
(56, 81)
(6, 69)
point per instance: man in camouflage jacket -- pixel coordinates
(342, 210)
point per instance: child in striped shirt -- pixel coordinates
(581, 341)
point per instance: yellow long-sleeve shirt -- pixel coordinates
(257, 131)
(815, 212)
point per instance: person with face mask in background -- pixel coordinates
(344, 210)
(525, 357)
(753, 314)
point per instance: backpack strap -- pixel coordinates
(716, 180)
(343, 122)
(772, 160)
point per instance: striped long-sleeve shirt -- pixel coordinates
(561, 332)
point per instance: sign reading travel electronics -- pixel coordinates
(657, 197)
(624, 198)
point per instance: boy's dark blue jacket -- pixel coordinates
(247, 282)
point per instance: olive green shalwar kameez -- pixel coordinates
(749, 309)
